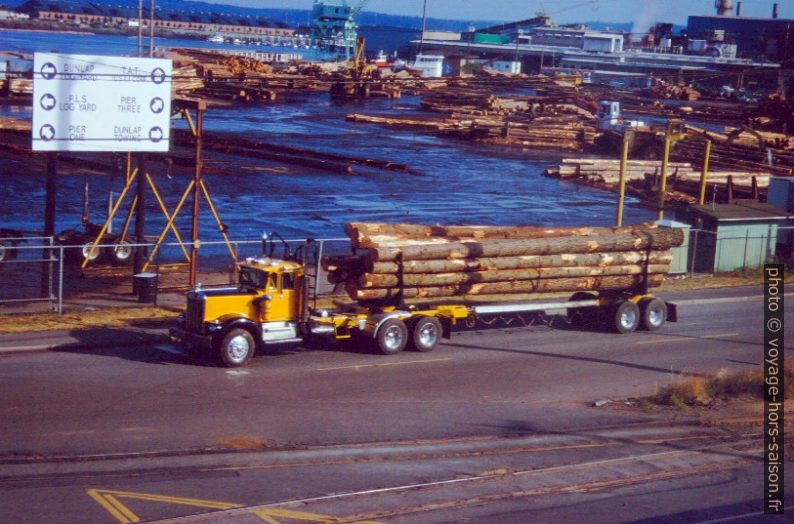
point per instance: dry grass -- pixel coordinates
(705, 391)
(111, 317)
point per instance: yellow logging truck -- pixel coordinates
(272, 304)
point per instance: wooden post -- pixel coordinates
(704, 173)
(196, 194)
(49, 219)
(622, 182)
(665, 161)
(140, 216)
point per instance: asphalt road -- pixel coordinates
(115, 433)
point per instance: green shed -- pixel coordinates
(680, 262)
(731, 237)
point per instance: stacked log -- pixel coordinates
(20, 86)
(642, 178)
(468, 262)
(608, 171)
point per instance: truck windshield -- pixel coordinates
(253, 277)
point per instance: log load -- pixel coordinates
(467, 262)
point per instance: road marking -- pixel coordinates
(732, 517)
(362, 366)
(680, 339)
(721, 300)
(109, 500)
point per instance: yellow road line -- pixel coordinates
(680, 339)
(362, 366)
(114, 507)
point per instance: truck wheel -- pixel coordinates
(426, 334)
(392, 336)
(654, 313)
(626, 316)
(237, 348)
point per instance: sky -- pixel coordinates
(644, 12)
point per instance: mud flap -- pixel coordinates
(672, 312)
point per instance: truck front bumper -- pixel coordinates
(194, 339)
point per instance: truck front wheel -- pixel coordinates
(236, 348)
(392, 336)
(426, 334)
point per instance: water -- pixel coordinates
(29, 42)
(459, 183)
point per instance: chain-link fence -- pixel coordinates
(36, 271)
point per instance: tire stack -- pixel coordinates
(479, 263)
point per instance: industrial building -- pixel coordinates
(758, 38)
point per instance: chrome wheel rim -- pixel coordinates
(123, 252)
(628, 319)
(655, 316)
(428, 334)
(393, 338)
(88, 254)
(238, 348)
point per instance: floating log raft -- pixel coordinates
(471, 261)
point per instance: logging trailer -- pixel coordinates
(272, 305)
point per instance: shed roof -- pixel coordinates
(741, 212)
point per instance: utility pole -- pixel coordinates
(140, 27)
(151, 28)
(197, 174)
(424, 26)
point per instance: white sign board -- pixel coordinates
(101, 103)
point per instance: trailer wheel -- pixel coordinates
(90, 255)
(626, 316)
(654, 313)
(237, 348)
(426, 334)
(122, 254)
(392, 336)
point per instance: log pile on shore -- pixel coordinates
(470, 263)
(643, 176)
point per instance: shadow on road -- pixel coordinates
(529, 352)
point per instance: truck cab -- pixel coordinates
(264, 307)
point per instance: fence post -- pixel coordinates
(60, 281)
(694, 252)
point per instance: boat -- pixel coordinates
(428, 66)
(216, 38)
(381, 60)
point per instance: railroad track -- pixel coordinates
(466, 472)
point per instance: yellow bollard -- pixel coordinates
(622, 183)
(704, 173)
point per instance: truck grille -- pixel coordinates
(194, 316)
